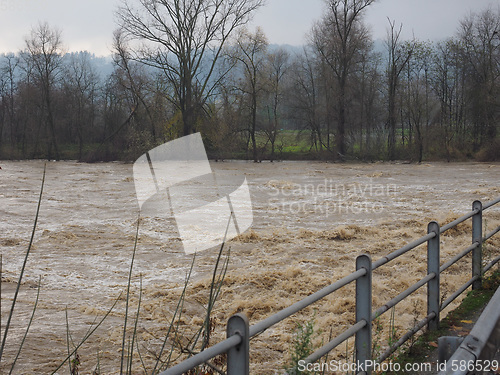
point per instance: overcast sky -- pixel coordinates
(88, 25)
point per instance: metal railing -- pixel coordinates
(237, 343)
(475, 353)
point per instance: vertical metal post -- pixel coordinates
(433, 293)
(477, 236)
(364, 312)
(238, 362)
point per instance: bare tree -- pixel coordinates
(449, 87)
(418, 106)
(338, 39)
(304, 97)
(3, 106)
(278, 68)
(366, 106)
(134, 79)
(44, 55)
(185, 38)
(397, 59)
(479, 37)
(81, 87)
(8, 92)
(252, 55)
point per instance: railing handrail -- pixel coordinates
(491, 203)
(364, 324)
(204, 356)
(479, 344)
(397, 253)
(297, 306)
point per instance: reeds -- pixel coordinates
(90, 332)
(19, 282)
(27, 328)
(170, 349)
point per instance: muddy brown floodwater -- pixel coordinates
(311, 220)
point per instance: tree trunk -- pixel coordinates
(254, 127)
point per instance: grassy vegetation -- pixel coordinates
(301, 145)
(302, 347)
(289, 145)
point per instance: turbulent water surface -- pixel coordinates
(310, 221)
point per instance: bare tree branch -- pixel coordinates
(184, 39)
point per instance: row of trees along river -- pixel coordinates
(178, 67)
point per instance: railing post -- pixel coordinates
(433, 264)
(477, 236)
(364, 312)
(238, 362)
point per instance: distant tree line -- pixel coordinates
(186, 66)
